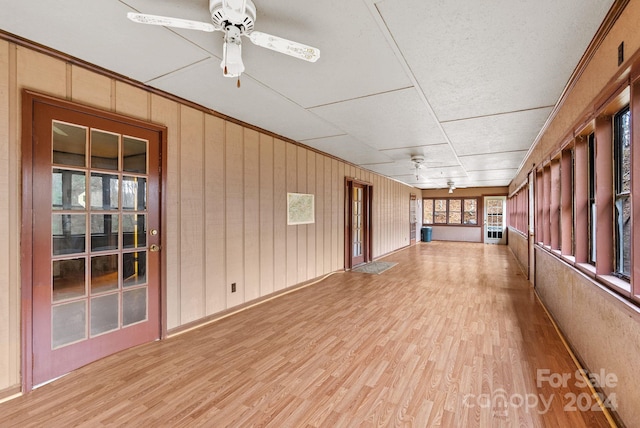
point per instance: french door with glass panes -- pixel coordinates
(494, 220)
(357, 223)
(96, 219)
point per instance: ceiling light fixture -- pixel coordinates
(232, 64)
(418, 162)
(451, 185)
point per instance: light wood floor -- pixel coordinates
(452, 336)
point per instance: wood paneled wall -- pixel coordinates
(226, 185)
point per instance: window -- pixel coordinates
(440, 211)
(622, 171)
(451, 211)
(427, 208)
(455, 211)
(591, 155)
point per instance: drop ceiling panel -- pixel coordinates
(498, 133)
(389, 71)
(204, 84)
(101, 34)
(349, 149)
(355, 59)
(195, 10)
(493, 174)
(492, 57)
(493, 161)
(388, 120)
(434, 155)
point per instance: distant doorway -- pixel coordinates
(494, 221)
(413, 219)
(358, 223)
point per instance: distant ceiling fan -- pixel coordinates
(235, 18)
(418, 164)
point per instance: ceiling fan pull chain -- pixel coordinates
(225, 57)
(238, 84)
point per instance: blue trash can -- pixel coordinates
(425, 234)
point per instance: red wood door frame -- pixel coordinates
(367, 201)
(34, 188)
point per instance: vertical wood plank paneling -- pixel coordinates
(319, 226)
(226, 200)
(27, 69)
(168, 113)
(266, 215)
(14, 202)
(292, 231)
(380, 208)
(311, 228)
(41, 73)
(383, 216)
(192, 249)
(279, 215)
(215, 262)
(234, 207)
(341, 201)
(395, 214)
(301, 230)
(328, 215)
(375, 217)
(251, 215)
(132, 101)
(335, 208)
(90, 88)
(8, 313)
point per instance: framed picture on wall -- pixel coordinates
(300, 208)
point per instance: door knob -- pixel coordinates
(154, 248)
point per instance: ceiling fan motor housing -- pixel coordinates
(223, 17)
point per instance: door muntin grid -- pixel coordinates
(98, 232)
(357, 222)
(495, 218)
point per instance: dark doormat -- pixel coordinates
(374, 267)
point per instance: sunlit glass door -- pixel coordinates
(494, 220)
(96, 285)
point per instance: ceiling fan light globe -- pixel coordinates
(232, 60)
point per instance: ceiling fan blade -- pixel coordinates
(166, 21)
(285, 46)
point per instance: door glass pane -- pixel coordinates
(134, 157)
(68, 323)
(68, 279)
(104, 232)
(99, 288)
(104, 314)
(134, 268)
(69, 144)
(134, 230)
(134, 193)
(104, 273)
(134, 306)
(104, 150)
(68, 189)
(68, 233)
(104, 191)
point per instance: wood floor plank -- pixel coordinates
(452, 336)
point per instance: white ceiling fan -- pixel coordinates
(418, 164)
(235, 18)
